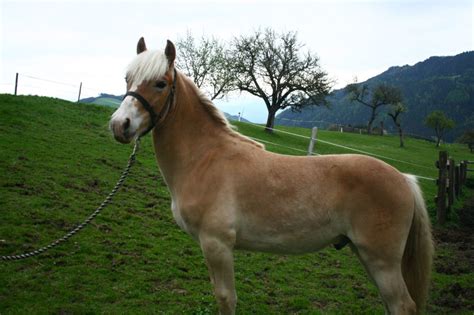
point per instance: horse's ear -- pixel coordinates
(170, 52)
(141, 47)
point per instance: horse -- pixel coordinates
(229, 193)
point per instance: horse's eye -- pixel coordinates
(160, 84)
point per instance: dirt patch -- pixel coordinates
(455, 251)
(455, 246)
(456, 297)
(455, 256)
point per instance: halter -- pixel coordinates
(154, 118)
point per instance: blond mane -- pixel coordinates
(146, 66)
(218, 116)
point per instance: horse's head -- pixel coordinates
(150, 89)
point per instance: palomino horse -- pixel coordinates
(229, 193)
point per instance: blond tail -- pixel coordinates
(418, 255)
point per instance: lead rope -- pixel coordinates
(104, 203)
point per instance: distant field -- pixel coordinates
(58, 161)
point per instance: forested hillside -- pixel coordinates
(438, 83)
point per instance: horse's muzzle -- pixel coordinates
(121, 130)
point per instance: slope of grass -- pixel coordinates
(58, 161)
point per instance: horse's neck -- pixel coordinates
(187, 135)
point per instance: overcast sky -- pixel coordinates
(93, 41)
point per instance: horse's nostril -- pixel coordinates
(126, 124)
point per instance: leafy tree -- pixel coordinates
(440, 123)
(207, 63)
(468, 138)
(381, 95)
(395, 111)
(274, 68)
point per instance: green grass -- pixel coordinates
(58, 161)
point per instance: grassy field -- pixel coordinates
(58, 161)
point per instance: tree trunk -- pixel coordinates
(371, 121)
(400, 133)
(439, 135)
(270, 121)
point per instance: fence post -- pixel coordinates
(314, 133)
(451, 183)
(80, 88)
(464, 171)
(16, 83)
(442, 179)
(457, 179)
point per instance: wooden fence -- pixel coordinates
(451, 178)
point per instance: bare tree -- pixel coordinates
(272, 67)
(207, 63)
(395, 112)
(380, 96)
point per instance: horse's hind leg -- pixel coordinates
(386, 272)
(220, 262)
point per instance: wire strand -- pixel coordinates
(48, 80)
(346, 147)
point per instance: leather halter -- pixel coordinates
(154, 118)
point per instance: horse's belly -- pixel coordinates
(177, 217)
(286, 241)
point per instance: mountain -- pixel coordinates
(438, 83)
(235, 117)
(104, 99)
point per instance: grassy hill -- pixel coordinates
(58, 161)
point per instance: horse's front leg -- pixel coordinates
(220, 262)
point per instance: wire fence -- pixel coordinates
(347, 127)
(26, 84)
(282, 146)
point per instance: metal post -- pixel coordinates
(314, 133)
(79, 97)
(16, 83)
